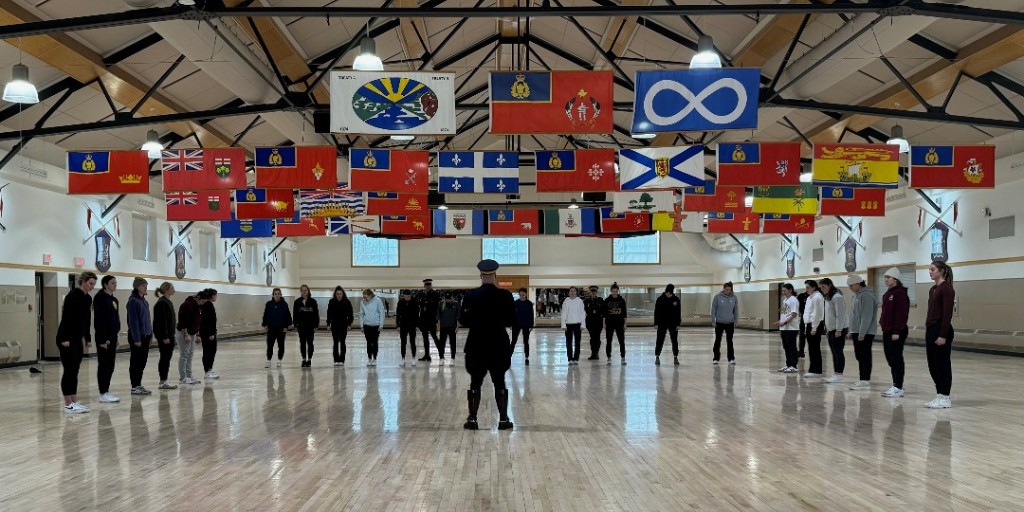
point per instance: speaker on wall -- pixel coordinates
(594, 197)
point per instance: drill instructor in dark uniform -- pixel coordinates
(594, 306)
(488, 311)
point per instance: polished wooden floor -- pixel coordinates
(596, 437)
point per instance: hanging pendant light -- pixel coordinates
(367, 60)
(19, 89)
(897, 139)
(706, 56)
(153, 145)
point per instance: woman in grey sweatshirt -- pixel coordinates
(725, 309)
(835, 327)
(863, 325)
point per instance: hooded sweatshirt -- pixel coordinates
(864, 318)
(573, 311)
(666, 311)
(164, 319)
(724, 308)
(835, 313)
(140, 324)
(306, 314)
(106, 317)
(189, 316)
(895, 309)
(524, 313)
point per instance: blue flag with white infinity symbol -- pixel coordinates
(696, 100)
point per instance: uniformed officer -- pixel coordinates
(488, 311)
(594, 306)
(429, 301)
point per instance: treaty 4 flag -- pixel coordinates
(459, 222)
(393, 102)
(384, 170)
(186, 170)
(861, 202)
(297, 167)
(108, 172)
(204, 205)
(581, 170)
(661, 168)
(952, 166)
(467, 172)
(856, 165)
(556, 102)
(513, 222)
(696, 100)
(751, 164)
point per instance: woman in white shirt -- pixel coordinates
(789, 327)
(836, 327)
(573, 315)
(371, 319)
(814, 320)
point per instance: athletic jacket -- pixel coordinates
(724, 308)
(189, 316)
(164, 319)
(449, 314)
(306, 315)
(276, 315)
(208, 321)
(667, 312)
(524, 313)
(139, 323)
(339, 314)
(615, 309)
(407, 313)
(106, 317)
(74, 317)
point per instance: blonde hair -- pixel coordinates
(163, 289)
(368, 292)
(85, 276)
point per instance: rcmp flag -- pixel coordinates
(383, 170)
(581, 170)
(745, 222)
(861, 202)
(395, 203)
(258, 203)
(513, 222)
(203, 169)
(644, 201)
(300, 226)
(466, 172)
(393, 102)
(405, 224)
(678, 221)
(711, 197)
(108, 172)
(952, 167)
(788, 224)
(801, 199)
(661, 168)
(187, 206)
(856, 165)
(246, 228)
(339, 202)
(365, 224)
(614, 222)
(297, 167)
(759, 163)
(459, 222)
(696, 100)
(557, 102)
(570, 221)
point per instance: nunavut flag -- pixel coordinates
(661, 168)
(556, 102)
(513, 222)
(581, 170)
(759, 163)
(259, 203)
(395, 203)
(856, 165)
(801, 199)
(208, 205)
(300, 226)
(186, 170)
(297, 167)
(788, 224)
(384, 170)
(952, 167)
(711, 197)
(108, 172)
(861, 202)
(731, 222)
(615, 222)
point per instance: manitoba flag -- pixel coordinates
(711, 197)
(383, 170)
(513, 222)
(952, 166)
(203, 169)
(210, 205)
(745, 222)
(297, 167)
(759, 163)
(615, 222)
(108, 172)
(581, 170)
(259, 203)
(788, 224)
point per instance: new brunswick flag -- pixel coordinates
(861, 202)
(788, 224)
(856, 165)
(801, 199)
(952, 167)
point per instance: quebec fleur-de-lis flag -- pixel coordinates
(801, 199)
(557, 102)
(952, 167)
(309, 167)
(108, 172)
(467, 172)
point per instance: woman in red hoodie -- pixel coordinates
(895, 309)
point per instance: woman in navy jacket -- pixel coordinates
(277, 318)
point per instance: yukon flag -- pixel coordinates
(661, 168)
(459, 222)
(570, 221)
(467, 172)
(644, 201)
(678, 221)
(513, 222)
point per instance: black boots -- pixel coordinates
(473, 398)
(501, 397)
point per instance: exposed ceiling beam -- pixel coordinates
(413, 33)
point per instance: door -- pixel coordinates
(40, 324)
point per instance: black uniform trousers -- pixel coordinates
(306, 342)
(163, 365)
(939, 365)
(526, 339)
(275, 335)
(339, 335)
(427, 331)
(209, 353)
(836, 344)
(447, 334)
(862, 351)
(594, 327)
(572, 341)
(814, 347)
(894, 355)
(616, 326)
(789, 346)
(728, 330)
(105, 358)
(372, 333)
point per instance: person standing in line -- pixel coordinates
(594, 306)
(448, 317)
(836, 323)
(863, 325)
(277, 318)
(140, 334)
(407, 318)
(189, 320)
(789, 326)
(615, 323)
(667, 317)
(802, 299)
(429, 303)
(725, 309)
(938, 335)
(73, 335)
(814, 319)
(339, 319)
(164, 323)
(488, 311)
(107, 324)
(371, 321)
(895, 311)
(573, 315)
(523, 324)
(307, 320)
(208, 333)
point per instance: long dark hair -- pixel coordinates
(339, 289)
(813, 284)
(947, 271)
(832, 290)
(787, 286)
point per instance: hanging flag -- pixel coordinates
(383, 170)
(614, 222)
(856, 165)
(300, 226)
(661, 168)
(645, 201)
(297, 167)
(952, 167)
(186, 170)
(395, 203)
(752, 164)
(711, 197)
(246, 228)
(108, 172)
(339, 202)
(555, 102)
(513, 222)
(581, 170)
(861, 202)
(207, 205)
(678, 221)
(466, 172)
(732, 222)
(570, 221)
(405, 224)
(784, 224)
(393, 102)
(259, 203)
(366, 224)
(459, 222)
(696, 100)
(801, 199)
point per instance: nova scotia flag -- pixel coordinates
(661, 168)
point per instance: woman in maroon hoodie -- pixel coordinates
(895, 309)
(938, 335)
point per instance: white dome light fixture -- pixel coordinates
(897, 139)
(706, 57)
(402, 138)
(367, 60)
(153, 145)
(19, 89)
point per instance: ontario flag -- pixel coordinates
(108, 172)
(300, 226)
(711, 197)
(952, 167)
(384, 170)
(339, 202)
(557, 102)
(395, 203)
(752, 164)
(459, 222)
(861, 202)
(734, 222)
(788, 224)
(207, 205)
(297, 167)
(513, 222)
(203, 169)
(615, 222)
(581, 170)
(259, 203)
(405, 225)
(661, 168)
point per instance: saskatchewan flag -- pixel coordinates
(801, 199)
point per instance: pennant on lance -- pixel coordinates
(300, 226)
(108, 172)
(297, 167)
(801, 199)
(383, 170)
(783, 224)
(395, 203)
(393, 102)
(557, 102)
(513, 222)
(467, 172)
(581, 170)
(570, 221)
(759, 163)
(614, 222)
(856, 165)
(661, 168)
(713, 198)
(644, 201)
(459, 222)
(734, 222)
(952, 167)
(339, 202)
(860, 202)
(259, 203)
(246, 228)
(696, 100)
(187, 170)
(205, 205)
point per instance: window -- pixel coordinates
(374, 252)
(507, 251)
(143, 238)
(636, 249)
(207, 250)
(282, 260)
(908, 277)
(252, 258)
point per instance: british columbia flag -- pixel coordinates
(340, 202)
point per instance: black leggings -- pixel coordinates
(275, 335)
(105, 358)
(939, 365)
(862, 350)
(476, 377)
(618, 328)
(673, 333)
(164, 364)
(306, 342)
(789, 346)
(372, 333)
(408, 335)
(836, 343)
(209, 352)
(716, 351)
(447, 333)
(71, 360)
(526, 339)
(894, 355)
(572, 341)
(339, 336)
(814, 347)
(139, 358)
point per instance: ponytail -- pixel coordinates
(947, 271)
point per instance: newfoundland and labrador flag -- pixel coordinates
(952, 167)
(581, 170)
(860, 202)
(108, 172)
(661, 168)
(459, 222)
(570, 221)
(513, 222)
(208, 205)
(558, 102)
(203, 169)
(759, 163)
(383, 170)
(297, 167)
(856, 165)
(365, 224)
(467, 172)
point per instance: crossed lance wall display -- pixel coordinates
(939, 230)
(2, 187)
(747, 263)
(232, 258)
(269, 259)
(181, 243)
(102, 235)
(789, 249)
(849, 246)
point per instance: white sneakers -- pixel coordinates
(267, 365)
(414, 361)
(107, 398)
(861, 384)
(893, 392)
(732, 362)
(835, 379)
(940, 402)
(211, 376)
(789, 369)
(75, 408)
(810, 375)
(190, 380)
(714, 362)
(168, 385)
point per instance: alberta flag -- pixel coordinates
(466, 172)
(459, 222)
(661, 168)
(570, 221)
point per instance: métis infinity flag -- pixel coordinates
(186, 170)
(467, 172)
(570, 221)
(108, 172)
(615, 222)
(861, 202)
(297, 167)
(732, 222)
(678, 221)
(246, 228)
(339, 202)
(801, 199)
(557, 102)
(393, 102)
(260, 203)
(383, 170)
(788, 224)
(952, 167)
(300, 226)
(459, 222)
(395, 203)
(206, 205)
(711, 197)
(751, 164)
(513, 222)
(644, 201)
(696, 100)
(581, 170)
(661, 168)
(856, 165)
